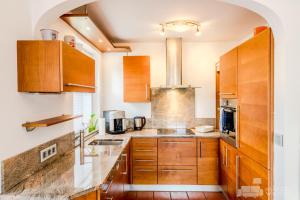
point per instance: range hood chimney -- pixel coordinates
(174, 63)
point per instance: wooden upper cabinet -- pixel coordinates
(228, 74)
(53, 67)
(136, 74)
(255, 96)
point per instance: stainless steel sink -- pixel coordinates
(106, 142)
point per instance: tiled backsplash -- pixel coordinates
(174, 108)
(18, 168)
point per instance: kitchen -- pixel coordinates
(161, 108)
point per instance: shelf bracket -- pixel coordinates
(29, 129)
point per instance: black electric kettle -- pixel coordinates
(139, 123)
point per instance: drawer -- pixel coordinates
(185, 175)
(208, 171)
(177, 151)
(144, 143)
(144, 160)
(144, 151)
(144, 175)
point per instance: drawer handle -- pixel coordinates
(226, 93)
(79, 85)
(108, 187)
(178, 142)
(144, 150)
(144, 160)
(126, 163)
(144, 170)
(175, 170)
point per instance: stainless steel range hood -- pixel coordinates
(174, 63)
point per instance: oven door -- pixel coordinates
(228, 120)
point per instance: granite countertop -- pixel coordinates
(67, 178)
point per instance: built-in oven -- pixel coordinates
(229, 121)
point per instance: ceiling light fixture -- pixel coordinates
(198, 32)
(162, 30)
(180, 26)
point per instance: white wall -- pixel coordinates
(17, 108)
(198, 70)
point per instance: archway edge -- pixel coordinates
(46, 11)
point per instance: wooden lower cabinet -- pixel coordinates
(184, 175)
(118, 178)
(169, 160)
(208, 161)
(144, 175)
(228, 170)
(144, 160)
(254, 176)
(177, 151)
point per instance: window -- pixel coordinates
(82, 105)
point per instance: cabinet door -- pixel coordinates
(78, 70)
(177, 151)
(208, 161)
(125, 169)
(136, 75)
(39, 66)
(228, 74)
(144, 175)
(223, 167)
(253, 180)
(117, 187)
(255, 96)
(231, 172)
(185, 175)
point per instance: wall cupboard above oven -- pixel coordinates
(53, 67)
(228, 74)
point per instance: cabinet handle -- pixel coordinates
(108, 187)
(144, 160)
(109, 198)
(175, 170)
(237, 126)
(147, 92)
(237, 174)
(144, 170)
(200, 150)
(126, 163)
(144, 150)
(178, 142)
(226, 154)
(226, 93)
(79, 85)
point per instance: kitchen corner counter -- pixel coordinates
(66, 178)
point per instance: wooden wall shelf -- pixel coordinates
(30, 126)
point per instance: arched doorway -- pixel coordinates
(51, 11)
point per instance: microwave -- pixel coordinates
(229, 120)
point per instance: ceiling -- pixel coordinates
(138, 20)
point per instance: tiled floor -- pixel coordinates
(175, 196)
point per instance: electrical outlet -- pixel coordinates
(48, 152)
